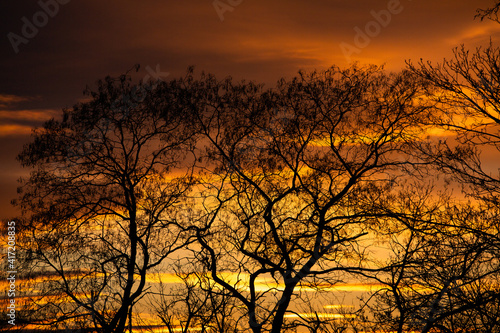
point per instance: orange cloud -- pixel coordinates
(21, 122)
(6, 130)
(10, 99)
(475, 33)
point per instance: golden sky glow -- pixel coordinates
(267, 283)
(257, 40)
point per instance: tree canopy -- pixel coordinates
(259, 201)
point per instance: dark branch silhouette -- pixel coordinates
(103, 199)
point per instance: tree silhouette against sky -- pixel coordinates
(259, 198)
(103, 202)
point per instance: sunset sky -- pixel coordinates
(45, 69)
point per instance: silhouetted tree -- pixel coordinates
(490, 13)
(466, 98)
(102, 203)
(273, 196)
(446, 269)
(294, 178)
